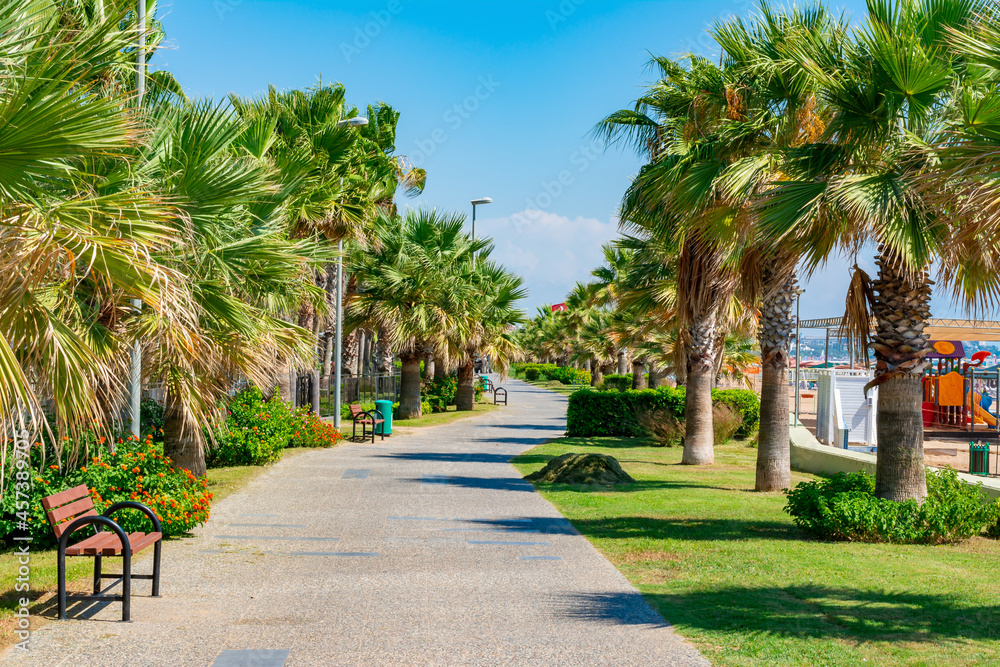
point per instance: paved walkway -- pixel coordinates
(426, 549)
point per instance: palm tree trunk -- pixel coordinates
(283, 384)
(384, 352)
(775, 335)
(429, 365)
(655, 376)
(639, 374)
(465, 398)
(328, 355)
(409, 385)
(901, 308)
(698, 432)
(441, 366)
(183, 438)
(349, 354)
(622, 361)
(597, 375)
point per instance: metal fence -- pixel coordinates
(353, 389)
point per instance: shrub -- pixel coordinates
(137, 471)
(254, 433)
(746, 402)
(311, 431)
(663, 427)
(726, 421)
(568, 375)
(844, 507)
(151, 417)
(618, 382)
(532, 373)
(606, 413)
(440, 393)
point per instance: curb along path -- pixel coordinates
(425, 549)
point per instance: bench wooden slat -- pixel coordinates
(60, 514)
(108, 544)
(63, 497)
(61, 528)
(93, 542)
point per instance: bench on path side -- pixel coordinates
(70, 510)
(360, 416)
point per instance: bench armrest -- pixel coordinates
(372, 413)
(128, 504)
(97, 521)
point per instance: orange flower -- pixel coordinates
(135, 470)
(124, 467)
(53, 467)
(160, 474)
(101, 440)
(83, 469)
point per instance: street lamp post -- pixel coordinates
(798, 348)
(357, 121)
(135, 379)
(478, 202)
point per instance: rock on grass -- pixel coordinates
(590, 469)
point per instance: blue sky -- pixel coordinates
(497, 100)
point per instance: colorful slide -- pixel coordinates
(973, 400)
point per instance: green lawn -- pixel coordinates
(556, 386)
(731, 572)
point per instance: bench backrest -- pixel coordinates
(356, 410)
(63, 507)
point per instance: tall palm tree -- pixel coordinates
(74, 251)
(238, 259)
(891, 90)
(489, 294)
(407, 287)
(780, 111)
(674, 201)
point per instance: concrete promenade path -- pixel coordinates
(424, 549)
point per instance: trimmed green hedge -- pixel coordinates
(564, 374)
(615, 413)
(615, 382)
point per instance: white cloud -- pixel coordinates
(551, 252)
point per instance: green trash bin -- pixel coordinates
(385, 428)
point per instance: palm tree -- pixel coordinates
(780, 111)
(892, 92)
(240, 263)
(74, 251)
(488, 295)
(673, 202)
(407, 287)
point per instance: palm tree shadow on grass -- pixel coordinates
(799, 611)
(632, 527)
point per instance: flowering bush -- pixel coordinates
(254, 433)
(312, 431)
(137, 471)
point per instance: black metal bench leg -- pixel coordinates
(97, 575)
(126, 584)
(156, 567)
(61, 566)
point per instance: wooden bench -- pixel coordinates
(372, 417)
(70, 510)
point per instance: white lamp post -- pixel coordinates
(357, 121)
(135, 384)
(478, 202)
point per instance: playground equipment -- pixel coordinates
(955, 390)
(844, 415)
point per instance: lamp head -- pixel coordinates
(482, 200)
(357, 121)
